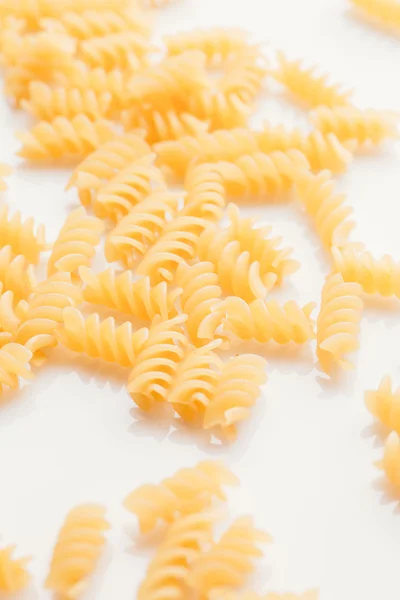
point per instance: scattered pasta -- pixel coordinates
(16, 274)
(14, 363)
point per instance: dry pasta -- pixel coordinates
(161, 126)
(123, 50)
(14, 364)
(79, 546)
(384, 404)
(190, 490)
(20, 235)
(33, 9)
(16, 274)
(10, 318)
(244, 77)
(14, 576)
(390, 463)
(4, 171)
(220, 110)
(384, 12)
(217, 43)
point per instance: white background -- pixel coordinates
(306, 457)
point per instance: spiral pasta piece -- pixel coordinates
(76, 243)
(160, 126)
(13, 574)
(47, 103)
(189, 490)
(10, 318)
(16, 274)
(123, 50)
(152, 375)
(14, 363)
(217, 43)
(78, 548)
(338, 322)
(384, 404)
(307, 86)
(230, 560)
(265, 321)
(327, 208)
(390, 463)
(383, 12)
(167, 574)
(63, 137)
(20, 235)
(222, 111)
(101, 339)
(140, 228)
(128, 188)
(4, 171)
(244, 76)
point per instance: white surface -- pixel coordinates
(306, 456)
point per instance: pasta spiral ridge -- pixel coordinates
(14, 363)
(79, 546)
(338, 322)
(125, 294)
(124, 50)
(13, 574)
(33, 9)
(160, 126)
(390, 463)
(386, 12)
(16, 274)
(384, 404)
(222, 111)
(244, 76)
(217, 43)
(10, 317)
(76, 243)
(189, 490)
(63, 137)
(20, 235)
(140, 228)
(205, 185)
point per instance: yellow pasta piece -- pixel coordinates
(383, 12)
(152, 375)
(230, 560)
(76, 243)
(140, 228)
(78, 548)
(126, 294)
(384, 404)
(217, 43)
(338, 322)
(189, 490)
(124, 50)
(326, 208)
(161, 126)
(4, 171)
(265, 321)
(306, 85)
(9, 316)
(13, 574)
(21, 236)
(63, 137)
(206, 189)
(220, 110)
(46, 103)
(349, 122)
(128, 188)
(101, 339)
(390, 463)
(16, 274)
(14, 363)
(376, 276)
(244, 76)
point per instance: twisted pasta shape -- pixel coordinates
(63, 137)
(47, 103)
(168, 572)
(390, 463)
(244, 76)
(140, 228)
(222, 111)
(327, 209)
(348, 122)
(9, 316)
(190, 490)
(159, 126)
(14, 363)
(338, 322)
(265, 321)
(16, 274)
(101, 339)
(128, 188)
(217, 43)
(123, 293)
(236, 392)
(384, 404)
(4, 171)
(307, 86)
(376, 276)
(76, 243)
(20, 235)
(152, 375)
(385, 12)
(200, 298)
(78, 548)
(206, 189)
(13, 574)
(230, 560)
(178, 244)
(123, 50)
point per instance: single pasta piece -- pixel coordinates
(265, 321)
(200, 300)
(244, 76)
(125, 294)
(152, 375)
(310, 88)
(123, 50)
(338, 322)
(217, 43)
(328, 210)
(161, 126)
(43, 313)
(4, 171)
(384, 404)
(230, 560)
(351, 123)
(78, 548)
(167, 574)
(101, 339)
(13, 574)
(222, 111)
(140, 228)
(76, 243)
(190, 490)
(14, 363)
(390, 463)
(376, 276)
(63, 137)
(16, 274)
(10, 317)
(383, 12)
(47, 103)
(128, 188)
(20, 235)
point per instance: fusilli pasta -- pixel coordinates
(20, 235)
(14, 363)
(13, 574)
(244, 76)
(220, 110)
(123, 50)
(218, 44)
(384, 404)
(16, 274)
(390, 463)
(161, 126)
(205, 185)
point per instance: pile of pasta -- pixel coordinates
(191, 559)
